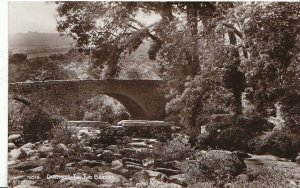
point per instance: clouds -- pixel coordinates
(32, 16)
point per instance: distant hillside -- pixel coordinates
(134, 66)
(39, 44)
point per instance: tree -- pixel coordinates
(228, 45)
(109, 30)
(184, 40)
(272, 39)
(36, 69)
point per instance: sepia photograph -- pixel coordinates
(153, 94)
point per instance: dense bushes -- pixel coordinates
(264, 177)
(176, 149)
(276, 142)
(234, 133)
(252, 134)
(38, 122)
(216, 165)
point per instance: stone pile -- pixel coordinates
(106, 151)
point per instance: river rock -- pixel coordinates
(99, 151)
(28, 152)
(14, 137)
(88, 149)
(28, 145)
(113, 148)
(132, 160)
(15, 154)
(180, 179)
(33, 158)
(89, 163)
(9, 163)
(62, 149)
(140, 177)
(11, 146)
(148, 162)
(43, 150)
(155, 174)
(134, 167)
(116, 164)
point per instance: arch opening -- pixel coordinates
(133, 108)
(110, 108)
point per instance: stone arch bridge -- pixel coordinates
(144, 99)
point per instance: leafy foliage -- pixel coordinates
(271, 34)
(38, 122)
(209, 52)
(175, 149)
(37, 69)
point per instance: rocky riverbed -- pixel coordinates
(117, 160)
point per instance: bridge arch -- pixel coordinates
(142, 98)
(133, 108)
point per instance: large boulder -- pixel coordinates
(44, 150)
(116, 164)
(28, 152)
(15, 154)
(14, 138)
(147, 129)
(28, 145)
(11, 146)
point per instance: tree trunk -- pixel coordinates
(238, 103)
(237, 92)
(192, 15)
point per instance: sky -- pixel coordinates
(31, 16)
(40, 16)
